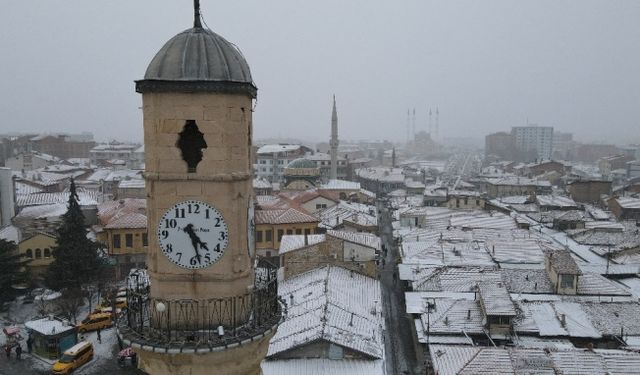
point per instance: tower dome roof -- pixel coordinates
(198, 59)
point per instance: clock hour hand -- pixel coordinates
(195, 240)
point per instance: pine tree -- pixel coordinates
(12, 269)
(76, 260)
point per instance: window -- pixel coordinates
(268, 236)
(29, 253)
(298, 231)
(47, 253)
(289, 231)
(145, 239)
(38, 253)
(566, 281)
(320, 206)
(268, 254)
(128, 240)
(258, 236)
(307, 231)
(116, 241)
(280, 234)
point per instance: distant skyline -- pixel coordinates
(487, 65)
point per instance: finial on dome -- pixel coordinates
(196, 14)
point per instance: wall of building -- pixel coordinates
(466, 203)
(317, 204)
(7, 198)
(330, 252)
(40, 246)
(277, 231)
(589, 191)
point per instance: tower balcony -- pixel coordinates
(202, 325)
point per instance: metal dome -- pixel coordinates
(301, 163)
(198, 59)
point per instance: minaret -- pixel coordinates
(209, 308)
(409, 139)
(437, 122)
(430, 123)
(334, 142)
(413, 122)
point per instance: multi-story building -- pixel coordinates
(608, 164)
(271, 160)
(633, 169)
(124, 233)
(37, 248)
(64, 146)
(588, 190)
(564, 146)
(499, 146)
(111, 153)
(271, 225)
(533, 137)
(7, 197)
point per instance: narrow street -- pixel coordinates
(401, 343)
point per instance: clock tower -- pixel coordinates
(210, 305)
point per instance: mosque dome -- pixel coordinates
(198, 59)
(301, 163)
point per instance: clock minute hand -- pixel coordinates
(195, 240)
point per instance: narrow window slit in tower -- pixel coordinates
(191, 143)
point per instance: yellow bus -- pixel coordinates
(73, 358)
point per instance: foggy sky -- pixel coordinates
(488, 65)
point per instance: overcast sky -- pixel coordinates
(487, 65)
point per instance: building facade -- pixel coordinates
(534, 138)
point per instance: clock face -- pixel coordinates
(193, 234)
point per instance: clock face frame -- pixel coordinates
(193, 234)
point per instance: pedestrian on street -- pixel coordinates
(18, 351)
(7, 350)
(29, 344)
(395, 277)
(99, 338)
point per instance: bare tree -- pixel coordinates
(70, 303)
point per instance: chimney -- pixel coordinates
(351, 320)
(291, 299)
(563, 320)
(469, 314)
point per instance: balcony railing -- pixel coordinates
(188, 325)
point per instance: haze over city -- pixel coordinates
(70, 66)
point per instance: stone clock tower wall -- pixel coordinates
(211, 314)
(223, 178)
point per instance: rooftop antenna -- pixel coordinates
(197, 24)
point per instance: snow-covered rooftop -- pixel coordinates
(49, 326)
(334, 305)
